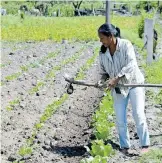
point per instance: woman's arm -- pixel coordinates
(128, 70)
(104, 74)
(130, 62)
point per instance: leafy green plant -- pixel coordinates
(13, 76)
(36, 88)
(96, 159)
(85, 67)
(99, 148)
(24, 68)
(1, 83)
(12, 104)
(101, 119)
(24, 150)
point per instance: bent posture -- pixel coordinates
(118, 62)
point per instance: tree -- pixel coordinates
(77, 4)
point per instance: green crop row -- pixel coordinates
(27, 149)
(31, 65)
(12, 103)
(102, 122)
(51, 74)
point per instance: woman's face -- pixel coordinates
(105, 40)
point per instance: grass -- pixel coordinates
(153, 156)
(72, 28)
(153, 72)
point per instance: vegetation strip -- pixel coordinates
(50, 74)
(102, 122)
(27, 149)
(40, 84)
(31, 65)
(4, 65)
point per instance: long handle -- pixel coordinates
(140, 85)
(80, 82)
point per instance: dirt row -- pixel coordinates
(18, 123)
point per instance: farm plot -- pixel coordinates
(26, 102)
(41, 123)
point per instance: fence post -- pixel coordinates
(148, 37)
(108, 11)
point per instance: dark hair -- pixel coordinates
(108, 30)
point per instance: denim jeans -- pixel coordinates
(137, 100)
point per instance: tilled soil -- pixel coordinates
(64, 135)
(18, 123)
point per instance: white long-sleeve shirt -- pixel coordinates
(122, 63)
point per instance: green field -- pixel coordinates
(72, 28)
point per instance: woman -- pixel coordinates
(118, 62)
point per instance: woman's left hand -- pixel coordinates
(113, 82)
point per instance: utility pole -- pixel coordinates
(108, 11)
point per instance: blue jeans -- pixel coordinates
(137, 100)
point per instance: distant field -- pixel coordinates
(76, 28)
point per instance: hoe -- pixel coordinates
(71, 81)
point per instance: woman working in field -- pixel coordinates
(118, 63)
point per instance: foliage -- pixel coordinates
(37, 87)
(66, 9)
(25, 151)
(102, 122)
(13, 76)
(158, 98)
(102, 119)
(73, 29)
(12, 104)
(154, 155)
(96, 159)
(144, 15)
(86, 66)
(153, 72)
(99, 148)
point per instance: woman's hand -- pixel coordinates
(113, 82)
